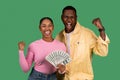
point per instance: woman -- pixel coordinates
(38, 50)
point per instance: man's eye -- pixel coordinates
(65, 17)
(71, 17)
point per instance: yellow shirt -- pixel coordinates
(83, 42)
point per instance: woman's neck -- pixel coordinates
(48, 39)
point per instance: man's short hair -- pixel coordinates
(69, 8)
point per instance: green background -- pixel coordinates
(19, 20)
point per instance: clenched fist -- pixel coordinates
(21, 45)
(97, 23)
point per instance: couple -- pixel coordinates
(75, 39)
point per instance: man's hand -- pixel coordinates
(21, 45)
(100, 27)
(97, 23)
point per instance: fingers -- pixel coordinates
(61, 67)
(96, 20)
(21, 45)
(97, 23)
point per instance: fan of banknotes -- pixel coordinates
(58, 57)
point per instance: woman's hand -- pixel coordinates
(21, 45)
(61, 68)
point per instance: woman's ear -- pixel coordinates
(39, 28)
(53, 27)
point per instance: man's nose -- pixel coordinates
(69, 19)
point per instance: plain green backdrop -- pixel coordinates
(19, 20)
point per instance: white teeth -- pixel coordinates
(69, 24)
(47, 32)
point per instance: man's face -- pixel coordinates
(69, 19)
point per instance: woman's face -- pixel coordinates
(46, 28)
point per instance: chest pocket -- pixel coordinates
(78, 49)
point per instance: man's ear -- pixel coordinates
(61, 17)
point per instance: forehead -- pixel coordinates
(46, 21)
(68, 12)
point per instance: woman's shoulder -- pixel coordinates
(34, 43)
(58, 42)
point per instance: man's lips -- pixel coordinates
(68, 25)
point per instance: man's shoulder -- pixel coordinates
(61, 32)
(60, 36)
(82, 29)
(87, 30)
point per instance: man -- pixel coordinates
(81, 43)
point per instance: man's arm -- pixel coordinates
(101, 29)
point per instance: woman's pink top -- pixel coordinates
(37, 51)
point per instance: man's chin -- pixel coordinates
(68, 28)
